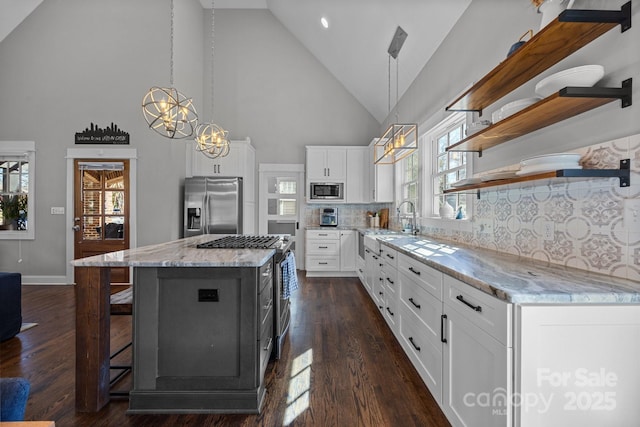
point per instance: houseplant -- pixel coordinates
(14, 212)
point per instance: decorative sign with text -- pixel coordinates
(96, 135)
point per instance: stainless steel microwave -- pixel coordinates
(327, 190)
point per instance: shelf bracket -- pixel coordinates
(623, 93)
(624, 173)
(622, 16)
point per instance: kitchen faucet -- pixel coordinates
(414, 228)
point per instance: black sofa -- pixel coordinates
(10, 305)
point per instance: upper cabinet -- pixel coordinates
(241, 161)
(326, 164)
(381, 179)
(570, 31)
(357, 185)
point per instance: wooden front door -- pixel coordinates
(101, 210)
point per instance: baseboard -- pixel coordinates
(44, 280)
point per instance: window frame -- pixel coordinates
(21, 151)
(461, 170)
(403, 184)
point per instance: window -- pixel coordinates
(409, 181)
(448, 166)
(17, 165)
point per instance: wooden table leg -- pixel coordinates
(92, 338)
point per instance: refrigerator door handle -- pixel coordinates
(205, 217)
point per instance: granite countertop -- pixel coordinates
(179, 253)
(339, 227)
(512, 278)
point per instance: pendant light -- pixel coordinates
(400, 139)
(166, 110)
(211, 139)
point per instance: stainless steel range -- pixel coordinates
(282, 245)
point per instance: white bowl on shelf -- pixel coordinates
(512, 108)
(532, 170)
(584, 76)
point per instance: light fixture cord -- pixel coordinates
(171, 49)
(397, 72)
(389, 84)
(212, 51)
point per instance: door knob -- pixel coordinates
(76, 228)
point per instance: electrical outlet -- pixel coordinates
(548, 230)
(485, 225)
(631, 212)
(57, 211)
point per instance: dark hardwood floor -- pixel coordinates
(341, 366)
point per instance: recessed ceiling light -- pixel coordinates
(324, 22)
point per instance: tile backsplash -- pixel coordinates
(588, 223)
(349, 215)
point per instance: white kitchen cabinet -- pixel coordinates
(358, 183)
(348, 246)
(391, 293)
(420, 310)
(381, 179)
(241, 161)
(324, 253)
(326, 164)
(578, 365)
(477, 357)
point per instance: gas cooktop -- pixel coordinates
(241, 242)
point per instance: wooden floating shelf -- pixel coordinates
(623, 174)
(566, 34)
(567, 103)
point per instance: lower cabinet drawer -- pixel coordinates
(426, 308)
(425, 355)
(323, 247)
(320, 263)
(487, 312)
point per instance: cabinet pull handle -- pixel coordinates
(380, 293)
(322, 234)
(367, 251)
(468, 304)
(390, 312)
(323, 263)
(360, 270)
(323, 247)
(414, 271)
(390, 281)
(390, 256)
(381, 265)
(443, 317)
(380, 307)
(414, 303)
(374, 257)
(414, 344)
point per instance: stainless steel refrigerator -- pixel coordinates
(212, 206)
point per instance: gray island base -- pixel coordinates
(202, 339)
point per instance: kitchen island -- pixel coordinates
(188, 356)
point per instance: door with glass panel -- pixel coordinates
(101, 210)
(280, 204)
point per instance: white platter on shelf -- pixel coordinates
(498, 175)
(584, 76)
(532, 170)
(512, 108)
(467, 181)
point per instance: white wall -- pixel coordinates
(269, 87)
(480, 41)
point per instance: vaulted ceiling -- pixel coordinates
(353, 47)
